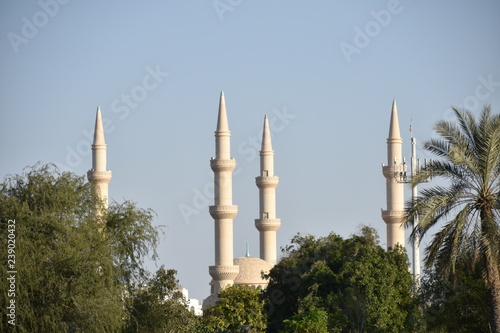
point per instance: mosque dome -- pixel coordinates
(251, 269)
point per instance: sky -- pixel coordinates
(325, 72)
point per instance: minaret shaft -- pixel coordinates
(267, 223)
(223, 189)
(99, 157)
(222, 145)
(223, 211)
(267, 202)
(394, 214)
(224, 235)
(267, 244)
(266, 163)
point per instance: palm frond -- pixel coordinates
(451, 241)
(467, 209)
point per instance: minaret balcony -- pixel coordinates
(223, 165)
(267, 181)
(224, 273)
(267, 224)
(223, 211)
(98, 175)
(393, 216)
(397, 171)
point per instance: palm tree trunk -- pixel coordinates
(493, 283)
(492, 267)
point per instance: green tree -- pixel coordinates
(469, 205)
(236, 307)
(159, 306)
(455, 306)
(130, 234)
(362, 287)
(70, 268)
(313, 320)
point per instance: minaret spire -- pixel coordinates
(98, 175)
(266, 137)
(98, 131)
(222, 133)
(267, 223)
(394, 132)
(223, 211)
(395, 174)
(222, 123)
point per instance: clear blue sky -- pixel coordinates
(324, 71)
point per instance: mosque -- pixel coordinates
(247, 270)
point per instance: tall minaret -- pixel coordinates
(98, 175)
(395, 174)
(267, 182)
(223, 211)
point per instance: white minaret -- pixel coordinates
(223, 211)
(98, 175)
(395, 175)
(267, 223)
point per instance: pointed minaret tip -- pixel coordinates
(266, 136)
(99, 130)
(222, 123)
(394, 131)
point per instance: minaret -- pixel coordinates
(395, 174)
(223, 211)
(98, 175)
(267, 223)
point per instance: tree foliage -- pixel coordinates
(313, 320)
(362, 287)
(467, 209)
(237, 306)
(132, 237)
(159, 306)
(70, 269)
(460, 305)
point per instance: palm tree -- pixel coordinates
(468, 207)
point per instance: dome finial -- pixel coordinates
(247, 253)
